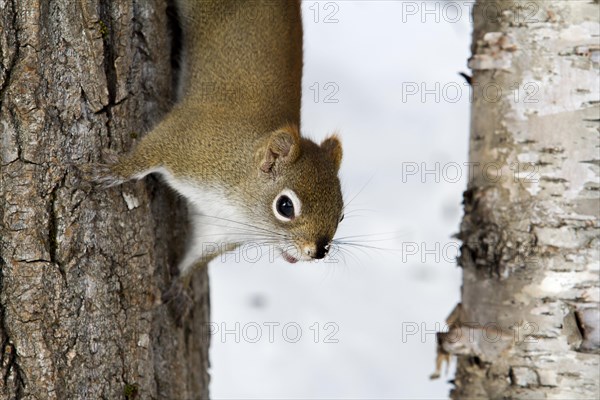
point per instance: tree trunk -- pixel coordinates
(82, 268)
(527, 326)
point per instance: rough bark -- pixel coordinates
(527, 326)
(82, 268)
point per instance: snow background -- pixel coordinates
(373, 299)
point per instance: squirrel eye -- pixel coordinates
(285, 207)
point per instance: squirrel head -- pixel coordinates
(299, 180)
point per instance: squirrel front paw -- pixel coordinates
(102, 174)
(179, 300)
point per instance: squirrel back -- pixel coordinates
(245, 56)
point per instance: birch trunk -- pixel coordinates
(82, 268)
(528, 323)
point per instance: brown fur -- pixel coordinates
(237, 126)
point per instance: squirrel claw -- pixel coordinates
(179, 300)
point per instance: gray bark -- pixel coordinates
(527, 326)
(82, 268)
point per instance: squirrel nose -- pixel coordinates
(322, 247)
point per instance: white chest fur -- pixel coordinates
(217, 222)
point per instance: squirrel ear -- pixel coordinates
(283, 146)
(333, 148)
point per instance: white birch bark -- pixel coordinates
(527, 326)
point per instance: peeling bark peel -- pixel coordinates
(530, 238)
(81, 267)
